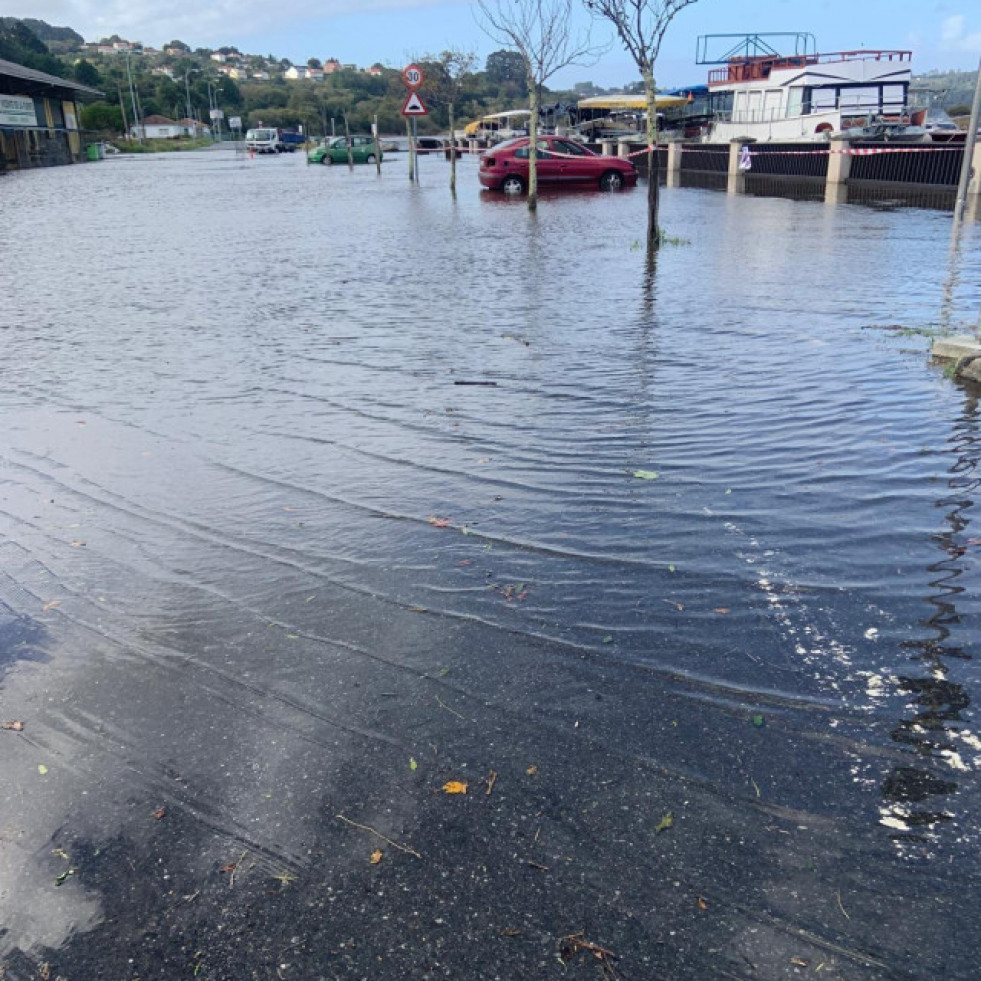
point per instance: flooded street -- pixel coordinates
(319, 490)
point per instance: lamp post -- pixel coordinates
(187, 90)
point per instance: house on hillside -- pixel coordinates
(39, 118)
(331, 65)
(295, 72)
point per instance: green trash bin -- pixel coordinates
(93, 151)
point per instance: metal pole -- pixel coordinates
(972, 132)
(132, 95)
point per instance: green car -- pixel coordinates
(363, 150)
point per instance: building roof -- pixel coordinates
(13, 70)
(157, 121)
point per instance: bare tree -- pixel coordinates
(641, 26)
(541, 32)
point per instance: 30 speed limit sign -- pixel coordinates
(412, 76)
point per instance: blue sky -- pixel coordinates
(941, 34)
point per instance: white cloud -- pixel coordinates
(954, 36)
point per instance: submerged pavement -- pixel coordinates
(318, 664)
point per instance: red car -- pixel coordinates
(560, 161)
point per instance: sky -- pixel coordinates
(942, 35)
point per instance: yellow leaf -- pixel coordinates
(376, 856)
(42, 769)
(412, 763)
(531, 771)
(455, 787)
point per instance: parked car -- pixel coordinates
(334, 150)
(430, 144)
(560, 161)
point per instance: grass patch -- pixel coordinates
(163, 146)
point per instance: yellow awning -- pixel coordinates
(614, 103)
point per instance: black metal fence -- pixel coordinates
(790, 159)
(938, 166)
(705, 158)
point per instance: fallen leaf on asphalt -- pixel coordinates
(75, 543)
(439, 522)
(531, 771)
(798, 962)
(376, 856)
(42, 769)
(14, 726)
(158, 813)
(465, 562)
(670, 568)
(722, 609)
(50, 605)
(702, 904)
(758, 721)
(412, 763)
(646, 474)
(666, 822)
(454, 787)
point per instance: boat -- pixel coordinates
(620, 114)
(778, 88)
(498, 126)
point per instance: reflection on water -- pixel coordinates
(937, 730)
(321, 472)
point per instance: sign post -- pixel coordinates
(411, 109)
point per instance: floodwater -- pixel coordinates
(319, 490)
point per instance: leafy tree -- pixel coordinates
(507, 68)
(102, 116)
(314, 63)
(87, 73)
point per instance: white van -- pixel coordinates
(264, 140)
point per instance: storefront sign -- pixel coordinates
(17, 110)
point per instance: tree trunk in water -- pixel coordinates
(653, 163)
(532, 144)
(452, 154)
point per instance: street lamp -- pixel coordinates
(187, 90)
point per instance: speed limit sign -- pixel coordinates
(412, 76)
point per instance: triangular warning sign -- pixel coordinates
(414, 106)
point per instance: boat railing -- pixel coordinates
(742, 69)
(777, 114)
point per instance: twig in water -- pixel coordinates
(842, 908)
(442, 704)
(378, 834)
(491, 780)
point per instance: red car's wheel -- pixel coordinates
(513, 184)
(612, 180)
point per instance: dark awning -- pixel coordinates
(11, 69)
